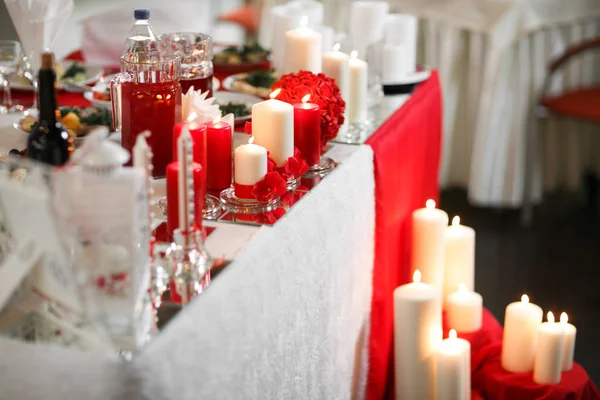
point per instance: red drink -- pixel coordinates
(155, 107)
(202, 84)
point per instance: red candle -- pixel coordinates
(198, 134)
(173, 195)
(219, 143)
(307, 131)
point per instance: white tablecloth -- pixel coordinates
(288, 318)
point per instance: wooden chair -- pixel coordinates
(582, 103)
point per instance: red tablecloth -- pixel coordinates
(407, 151)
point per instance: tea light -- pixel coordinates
(464, 310)
(250, 167)
(453, 362)
(459, 257)
(569, 345)
(359, 86)
(521, 322)
(307, 130)
(549, 353)
(273, 128)
(219, 144)
(428, 233)
(302, 49)
(417, 334)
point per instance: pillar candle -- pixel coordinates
(307, 130)
(395, 65)
(173, 195)
(367, 23)
(464, 310)
(521, 322)
(219, 144)
(453, 369)
(428, 232)
(273, 128)
(549, 352)
(459, 257)
(569, 344)
(417, 333)
(198, 133)
(250, 167)
(302, 50)
(357, 93)
(336, 66)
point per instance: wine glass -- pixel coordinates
(10, 52)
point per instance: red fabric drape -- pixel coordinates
(407, 151)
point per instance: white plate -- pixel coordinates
(247, 99)
(216, 84)
(230, 80)
(93, 73)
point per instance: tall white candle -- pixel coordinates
(549, 352)
(359, 86)
(464, 310)
(336, 66)
(367, 23)
(273, 128)
(395, 65)
(250, 164)
(453, 362)
(521, 322)
(302, 50)
(459, 257)
(402, 29)
(569, 345)
(428, 231)
(417, 333)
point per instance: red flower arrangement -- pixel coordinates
(272, 184)
(323, 91)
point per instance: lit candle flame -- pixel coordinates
(462, 288)
(336, 47)
(525, 299)
(306, 98)
(430, 203)
(354, 54)
(550, 317)
(564, 318)
(452, 334)
(251, 140)
(456, 221)
(275, 93)
(304, 21)
(191, 117)
(417, 276)
(216, 120)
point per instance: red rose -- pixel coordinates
(272, 184)
(295, 167)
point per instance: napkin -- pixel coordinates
(37, 22)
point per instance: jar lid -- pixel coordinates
(141, 13)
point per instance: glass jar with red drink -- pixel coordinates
(196, 52)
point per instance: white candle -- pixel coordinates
(250, 164)
(336, 66)
(521, 322)
(359, 86)
(464, 310)
(273, 128)
(302, 50)
(428, 231)
(402, 29)
(395, 64)
(453, 362)
(417, 333)
(459, 257)
(549, 352)
(327, 37)
(367, 23)
(569, 345)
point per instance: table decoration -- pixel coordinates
(417, 335)
(367, 22)
(459, 257)
(428, 235)
(569, 345)
(324, 92)
(302, 49)
(219, 144)
(336, 66)
(521, 322)
(453, 368)
(464, 310)
(548, 362)
(400, 46)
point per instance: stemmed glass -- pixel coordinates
(10, 52)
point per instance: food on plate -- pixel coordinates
(253, 53)
(256, 83)
(77, 121)
(236, 108)
(102, 95)
(75, 73)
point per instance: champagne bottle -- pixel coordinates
(49, 141)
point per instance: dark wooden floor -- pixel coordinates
(556, 262)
